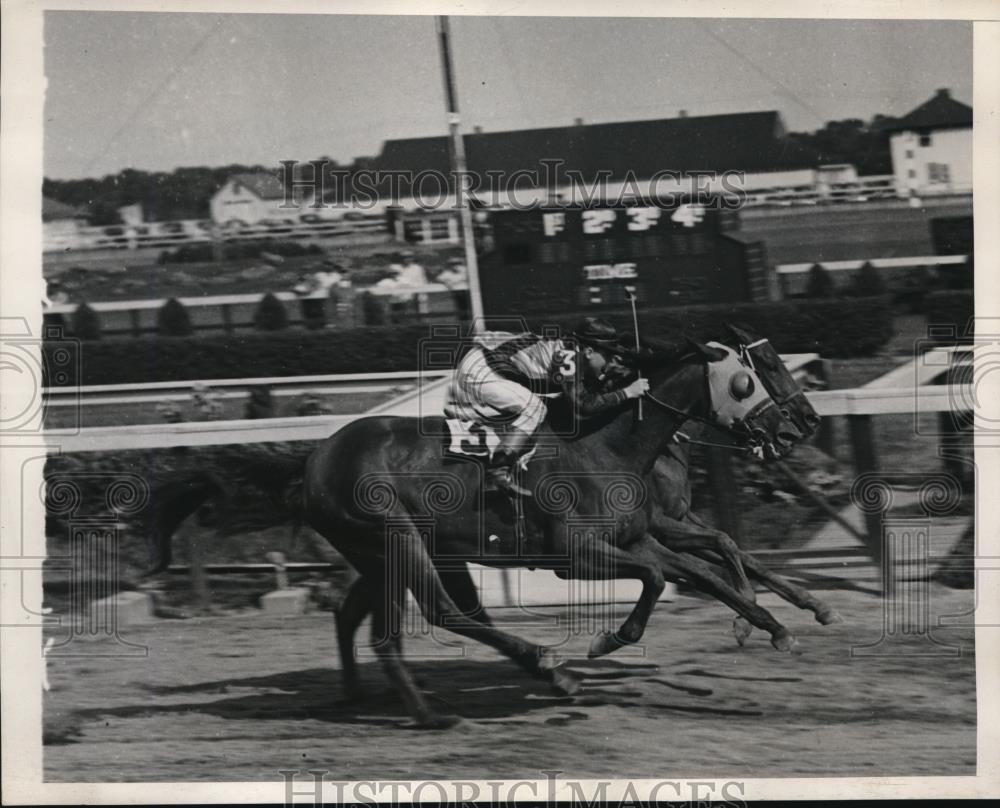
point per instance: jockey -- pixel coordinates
(502, 377)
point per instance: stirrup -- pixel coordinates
(501, 479)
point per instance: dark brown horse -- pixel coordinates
(381, 492)
(679, 528)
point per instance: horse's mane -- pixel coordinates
(653, 360)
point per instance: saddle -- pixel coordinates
(471, 439)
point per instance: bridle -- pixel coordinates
(747, 442)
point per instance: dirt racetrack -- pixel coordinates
(241, 696)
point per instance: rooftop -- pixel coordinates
(940, 112)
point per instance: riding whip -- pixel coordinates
(635, 325)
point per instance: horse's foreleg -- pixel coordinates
(595, 559)
(794, 594)
(779, 584)
(690, 536)
(701, 575)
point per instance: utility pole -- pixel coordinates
(459, 171)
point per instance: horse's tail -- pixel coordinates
(174, 499)
(276, 470)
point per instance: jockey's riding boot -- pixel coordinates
(500, 474)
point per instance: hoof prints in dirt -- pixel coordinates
(716, 675)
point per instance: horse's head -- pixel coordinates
(733, 398)
(739, 401)
(758, 353)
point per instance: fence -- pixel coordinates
(426, 228)
(343, 308)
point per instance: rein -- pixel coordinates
(682, 437)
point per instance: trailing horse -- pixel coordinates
(381, 492)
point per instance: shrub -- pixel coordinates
(270, 314)
(186, 254)
(820, 283)
(201, 251)
(173, 320)
(949, 315)
(86, 323)
(867, 282)
(963, 277)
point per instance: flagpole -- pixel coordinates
(458, 166)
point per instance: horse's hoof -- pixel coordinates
(356, 692)
(603, 643)
(828, 617)
(434, 721)
(548, 660)
(784, 641)
(565, 682)
(742, 630)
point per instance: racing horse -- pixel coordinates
(380, 491)
(681, 530)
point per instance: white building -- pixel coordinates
(249, 199)
(932, 148)
(61, 225)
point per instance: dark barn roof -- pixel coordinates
(264, 185)
(749, 142)
(940, 112)
(53, 210)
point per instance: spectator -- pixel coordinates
(407, 273)
(259, 403)
(55, 294)
(206, 405)
(312, 299)
(454, 274)
(331, 276)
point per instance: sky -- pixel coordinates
(155, 91)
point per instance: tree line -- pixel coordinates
(184, 193)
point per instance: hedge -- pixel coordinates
(196, 253)
(833, 328)
(86, 323)
(172, 320)
(270, 314)
(949, 314)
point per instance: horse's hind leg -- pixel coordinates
(440, 610)
(458, 583)
(387, 599)
(357, 605)
(353, 609)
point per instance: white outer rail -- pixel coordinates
(862, 401)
